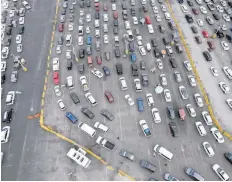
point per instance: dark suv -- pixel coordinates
(134, 69)
(74, 98)
(174, 129)
(119, 68)
(145, 80)
(87, 112)
(189, 18)
(171, 112)
(7, 116)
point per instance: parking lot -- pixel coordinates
(124, 130)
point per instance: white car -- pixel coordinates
(200, 22)
(143, 2)
(5, 134)
(163, 79)
(10, 98)
(114, 7)
(88, 17)
(3, 27)
(167, 16)
(150, 100)
(97, 73)
(145, 128)
(199, 1)
(138, 87)
(228, 72)
(214, 71)
(127, 25)
(191, 110)
(3, 66)
(207, 118)
(188, 65)
(163, 8)
(220, 9)
(105, 28)
(68, 54)
(135, 20)
(220, 172)
(55, 64)
(225, 45)
(97, 33)
(129, 100)
(203, 10)
(26, 5)
(96, 23)
(229, 103)
(183, 92)
(87, 30)
(21, 20)
(105, 17)
(226, 17)
(156, 115)
(224, 87)
(159, 64)
(5, 4)
(142, 50)
(223, 3)
(5, 52)
(61, 104)
(150, 28)
(223, 27)
(200, 128)
(106, 40)
(148, 46)
(82, 12)
(70, 27)
(19, 48)
(101, 127)
(58, 49)
(199, 100)
(155, 10)
(192, 80)
(80, 30)
(167, 95)
(2, 35)
(184, 8)
(57, 90)
(217, 135)
(80, 40)
(208, 149)
(158, 18)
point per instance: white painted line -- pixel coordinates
(199, 148)
(182, 149)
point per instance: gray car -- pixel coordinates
(147, 165)
(98, 45)
(107, 114)
(145, 80)
(88, 50)
(14, 76)
(169, 177)
(193, 174)
(171, 112)
(209, 20)
(127, 155)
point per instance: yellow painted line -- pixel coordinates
(46, 80)
(42, 102)
(110, 168)
(48, 65)
(41, 112)
(47, 72)
(45, 88)
(50, 51)
(48, 57)
(51, 45)
(43, 94)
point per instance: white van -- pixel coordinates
(96, 22)
(148, 47)
(123, 83)
(87, 129)
(91, 99)
(163, 152)
(70, 82)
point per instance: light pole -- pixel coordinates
(215, 34)
(74, 52)
(16, 58)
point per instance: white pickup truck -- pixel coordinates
(84, 83)
(105, 143)
(55, 64)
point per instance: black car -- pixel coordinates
(230, 3)
(160, 1)
(171, 25)
(194, 29)
(173, 62)
(181, 1)
(74, 98)
(3, 78)
(165, 41)
(8, 30)
(162, 29)
(115, 22)
(229, 38)
(207, 56)
(21, 30)
(81, 53)
(132, 11)
(190, 3)
(154, 42)
(145, 82)
(60, 40)
(63, 12)
(8, 42)
(171, 112)
(81, 68)
(198, 39)
(97, 15)
(145, 9)
(115, 30)
(228, 156)
(10, 23)
(106, 70)
(7, 116)
(157, 53)
(142, 65)
(69, 64)
(189, 18)
(134, 69)
(174, 129)
(216, 16)
(3, 20)
(124, 17)
(131, 47)
(119, 68)
(107, 114)
(220, 33)
(124, 6)
(88, 3)
(179, 48)
(117, 53)
(87, 112)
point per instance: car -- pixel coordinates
(159, 64)
(169, 177)
(56, 78)
(205, 34)
(209, 20)
(207, 56)
(10, 98)
(225, 45)
(119, 69)
(57, 90)
(7, 116)
(161, 28)
(198, 39)
(167, 95)
(192, 81)
(214, 71)
(228, 72)
(88, 18)
(137, 84)
(80, 40)
(211, 6)
(81, 53)
(208, 149)
(216, 16)
(199, 1)
(127, 155)
(200, 22)
(89, 40)
(158, 18)
(14, 76)
(140, 104)
(106, 70)
(145, 81)
(207, 118)
(191, 110)
(19, 48)
(198, 100)
(195, 11)
(150, 28)
(105, 17)
(194, 29)
(147, 165)
(97, 73)
(155, 9)
(109, 96)
(87, 112)
(107, 114)
(229, 103)
(68, 54)
(224, 87)
(5, 134)
(163, 8)
(190, 3)
(167, 16)
(171, 112)
(146, 130)
(188, 65)
(106, 40)
(61, 104)
(134, 69)
(26, 5)
(228, 156)
(174, 129)
(142, 50)
(173, 62)
(193, 174)
(58, 49)
(5, 52)
(229, 38)
(220, 171)
(21, 20)
(200, 128)
(177, 76)
(217, 135)
(228, 10)
(101, 127)
(172, 25)
(3, 66)
(163, 79)
(226, 17)
(211, 45)
(129, 100)
(150, 100)
(113, 7)
(132, 10)
(183, 92)
(219, 33)
(219, 8)
(127, 25)
(189, 18)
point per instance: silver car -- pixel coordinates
(127, 155)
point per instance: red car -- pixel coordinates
(97, 7)
(56, 78)
(148, 20)
(99, 60)
(61, 27)
(109, 96)
(105, 7)
(205, 34)
(195, 11)
(115, 15)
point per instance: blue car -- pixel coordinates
(140, 104)
(133, 57)
(71, 117)
(89, 40)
